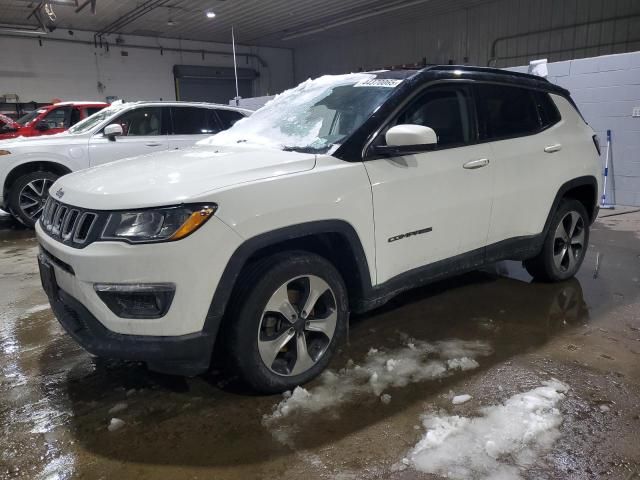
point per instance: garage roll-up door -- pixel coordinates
(211, 84)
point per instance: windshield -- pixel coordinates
(88, 123)
(314, 116)
(26, 118)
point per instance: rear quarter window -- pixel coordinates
(228, 118)
(547, 110)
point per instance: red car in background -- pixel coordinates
(7, 124)
(51, 119)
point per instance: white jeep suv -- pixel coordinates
(332, 198)
(30, 165)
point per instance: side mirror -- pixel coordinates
(112, 131)
(407, 140)
(42, 126)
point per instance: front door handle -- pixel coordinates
(553, 148)
(473, 164)
(153, 144)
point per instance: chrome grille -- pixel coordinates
(70, 225)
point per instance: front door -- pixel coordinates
(434, 205)
(144, 130)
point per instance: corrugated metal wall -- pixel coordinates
(512, 31)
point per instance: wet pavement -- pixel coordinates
(57, 401)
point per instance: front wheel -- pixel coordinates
(564, 246)
(28, 195)
(286, 320)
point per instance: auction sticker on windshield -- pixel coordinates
(379, 82)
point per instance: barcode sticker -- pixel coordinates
(379, 82)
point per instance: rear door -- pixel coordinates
(519, 124)
(434, 205)
(144, 131)
(191, 124)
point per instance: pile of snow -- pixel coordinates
(495, 445)
(415, 362)
(287, 119)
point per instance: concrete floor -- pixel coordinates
(55, 398)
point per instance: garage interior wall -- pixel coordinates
(467, 35)
(77, 71)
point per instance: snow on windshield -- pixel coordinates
(314, 115)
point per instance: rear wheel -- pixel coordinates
(564, 246)
(28, 195)
(286, 320)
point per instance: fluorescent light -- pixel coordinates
(211, 14)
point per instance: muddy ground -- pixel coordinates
(55, 399)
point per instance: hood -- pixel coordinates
(174, 177)
(41, 141)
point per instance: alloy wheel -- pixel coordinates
(33, 196)
(568, 243)
(297, 325)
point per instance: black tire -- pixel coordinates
(243, 323)
(544, 266)
(42, 180)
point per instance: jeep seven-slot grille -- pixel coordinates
(72, 226)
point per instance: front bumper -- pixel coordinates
(187, 355)
(181, 341)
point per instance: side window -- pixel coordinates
(75, 116)
(547, 110)
(92, 110)
(228, 118)
(507, 111)
(57, 118)
(194, 121)
(445, 109)
(145, 121)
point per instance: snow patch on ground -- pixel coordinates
(415, 362)
(115, 424)
(36, 309)
(495, 445)
(460, 399)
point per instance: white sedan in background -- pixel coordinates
(29, 166)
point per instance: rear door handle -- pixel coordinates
(473, 164)
(153, 144)
(553, 148)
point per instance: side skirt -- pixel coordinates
(519, 248)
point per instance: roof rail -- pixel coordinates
(496, 71)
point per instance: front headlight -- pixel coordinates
(158, 224)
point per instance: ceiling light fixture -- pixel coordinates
(210, 14)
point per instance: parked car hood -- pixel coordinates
(41, 143)
(174, 177)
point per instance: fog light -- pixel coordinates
(139, 300)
